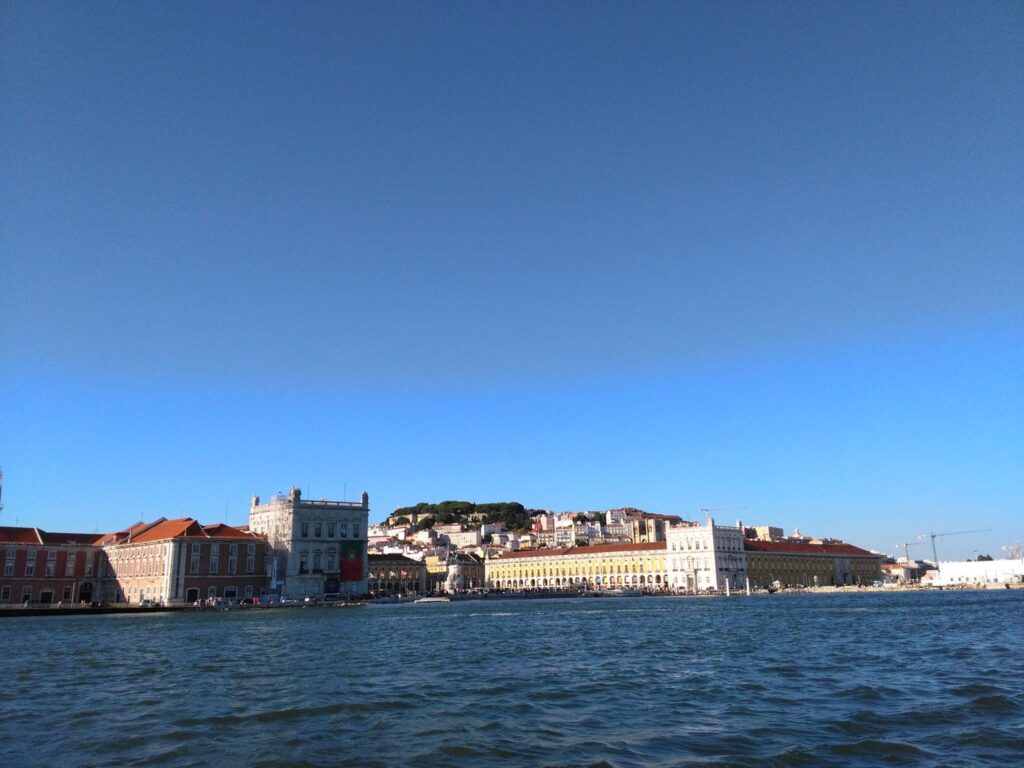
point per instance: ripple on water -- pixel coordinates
(630, 683)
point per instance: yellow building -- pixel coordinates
(810, 563)
(602, 566)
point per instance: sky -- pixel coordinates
(762, 259)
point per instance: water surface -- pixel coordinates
(802, 680)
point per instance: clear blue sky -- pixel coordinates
(578, 255)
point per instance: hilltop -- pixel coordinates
(514, 515)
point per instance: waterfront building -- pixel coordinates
(809, 562)
(43, 567)
(465, 571)
(436, 564)
(169, 561)
(319, 546)
(182, 561)
(393, 574)
(976, 573)
(705, 557)
(602, 566)
(904, 572)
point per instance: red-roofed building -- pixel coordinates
(810, 562)
(43, 567)
(181, 561)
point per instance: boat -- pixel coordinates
(621, 593)
(434, 600)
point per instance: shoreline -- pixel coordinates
(21, 611)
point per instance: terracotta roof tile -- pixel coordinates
(12, 535)
(805, 548)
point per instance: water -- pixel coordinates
(806, 680)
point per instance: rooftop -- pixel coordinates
(596, 549)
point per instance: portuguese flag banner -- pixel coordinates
(351, 560)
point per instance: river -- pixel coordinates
(925, 679)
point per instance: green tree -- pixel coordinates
(985, 558)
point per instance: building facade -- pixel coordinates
(705, 557)
(811, 563)
(181, 562)
(169, 561)
(976, 573)
(47, 568)
(318, 547)
(395, 575)
(602, 566)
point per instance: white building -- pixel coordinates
(319, 547)
(978, 572)
(703, 557)
(462, 539)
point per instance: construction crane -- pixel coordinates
(907, 545)
(935, 536)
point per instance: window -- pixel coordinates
(303, 561)
(344, 530)
(69, 563)
(30, 565)
(332, 529)
(233, 548)
(317, 529)
(232, 565)
(355, 530)
(26, 594)
(51, 563)
(211, 592)
(248, 590)
(251, 549)
(9, 564)
(317, 562)
(193, 566)
(305, 529)
(214, 558)
(250, 566)
(67, 593)
(332, 561)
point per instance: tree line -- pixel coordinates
(514, 515)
